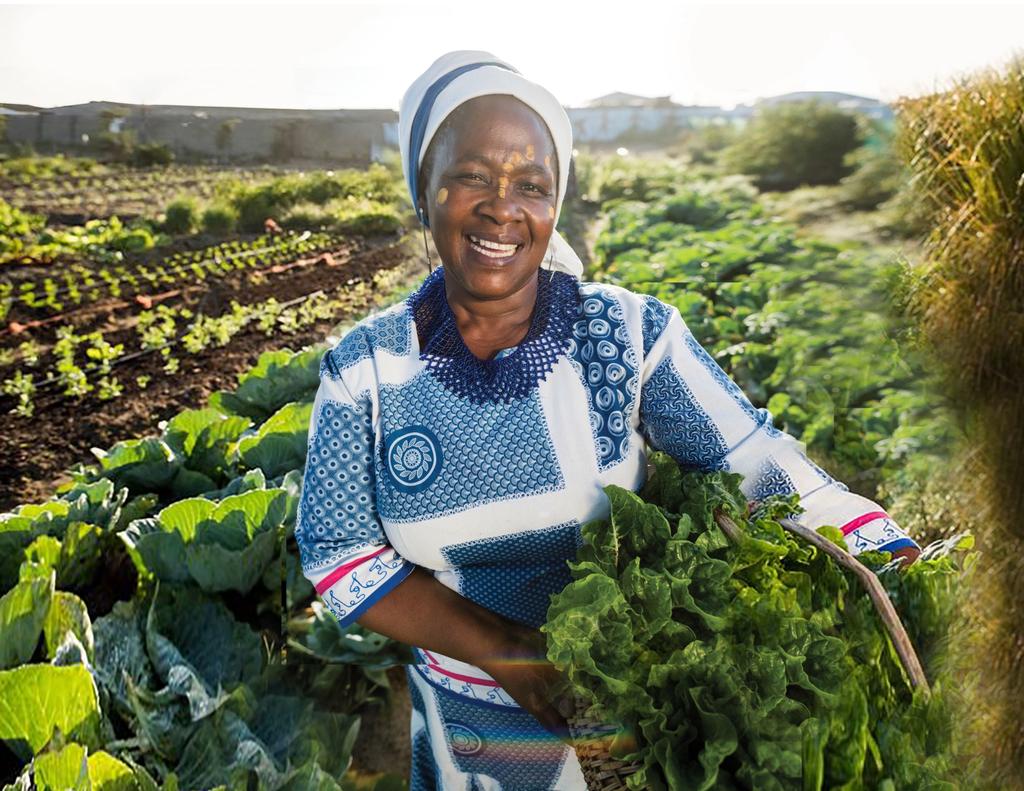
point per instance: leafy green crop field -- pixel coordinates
(156, 630)
(149, 609)
(807, 328)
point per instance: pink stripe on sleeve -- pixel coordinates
(863, 519)
(433, 664)
(459, 677)
(341, 571)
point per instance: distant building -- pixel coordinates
(617, 116)
(357, 137)
(844, 101)
(16, 109)
(621, 116)
(226, 133)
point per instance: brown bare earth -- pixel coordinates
(35, 452)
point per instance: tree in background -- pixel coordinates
(114, 141)
(122, 145)
(225, 132)
(878, 170)
(703, 144)
(794, 143)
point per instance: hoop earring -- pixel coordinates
(430, 264)
(550, 269)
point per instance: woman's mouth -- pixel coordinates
(495, 251)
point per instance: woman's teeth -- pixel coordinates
(492, 249)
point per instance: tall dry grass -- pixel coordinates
(965, 148)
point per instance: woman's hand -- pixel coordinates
(908, 555)
(524, 672)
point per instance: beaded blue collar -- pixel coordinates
(509, 376)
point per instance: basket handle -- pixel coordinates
(879, 596)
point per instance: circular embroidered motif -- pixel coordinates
(464, 740)
(413, 457)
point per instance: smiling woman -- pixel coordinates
(460, 439)
(488, 190)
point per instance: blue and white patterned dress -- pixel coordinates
(484, 471)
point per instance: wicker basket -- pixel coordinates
(591, 740)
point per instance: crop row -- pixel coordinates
(125, 183)
(127, 194)
(77, 284)
(802, 326)
(81, 363)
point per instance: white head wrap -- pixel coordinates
(464, 74)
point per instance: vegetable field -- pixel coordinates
(152, 401)
(74, 193)
(804, 327)
(110, 326)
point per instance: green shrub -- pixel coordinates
(117, 146)
(691, 208)
(320, 198)
(255, 204)
(307, 216)
(321, 188)
(219, 218)
(225, 132)
(133, 238)
(704, 144)
(794, 143)
(609, 177)
(376, 183)
(877, 177)
(20, 150)
(149, 154)
(180, 216)
(377, 221)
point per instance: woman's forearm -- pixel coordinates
(423, 612)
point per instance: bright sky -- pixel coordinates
(361, 55)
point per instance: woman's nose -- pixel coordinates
(501, 205)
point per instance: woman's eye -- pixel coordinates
(535, 188)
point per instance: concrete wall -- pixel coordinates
(51, 129)
(342, 140)
(334, 139)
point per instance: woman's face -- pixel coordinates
(491, 183)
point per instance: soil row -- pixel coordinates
(35, 452)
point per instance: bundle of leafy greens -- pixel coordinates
(758, 665)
